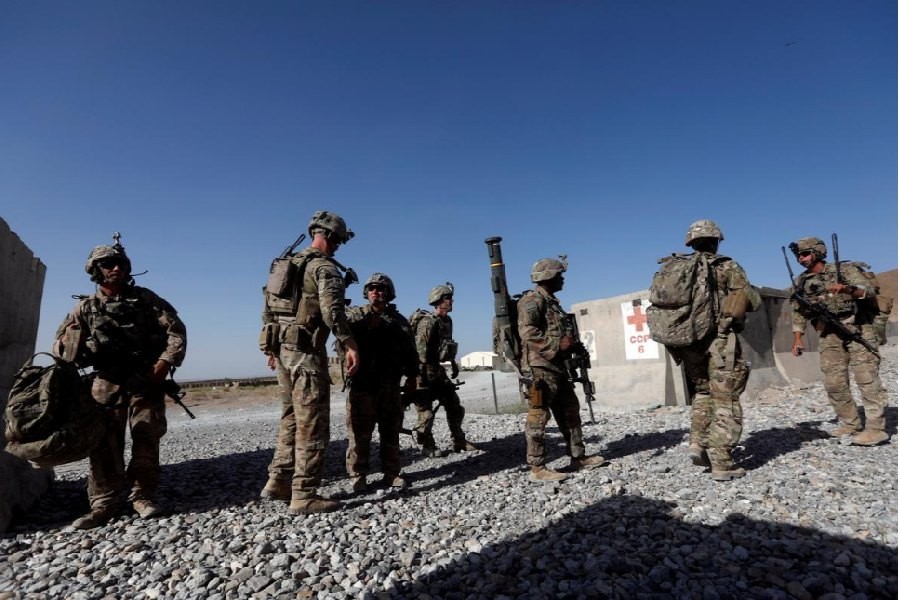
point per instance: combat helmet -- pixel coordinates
(809, 244)
(100, 253)
(440, 292)
(548, 268)
(331, 223)
(704, 228)
(380, 279)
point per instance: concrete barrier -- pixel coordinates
(631, 371)
(21, 288)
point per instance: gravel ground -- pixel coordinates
(814, 517)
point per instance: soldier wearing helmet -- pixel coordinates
(433, 333)
(851, 298)
(133, 339)
(299, 356)
(547, 341)
(714, 365)
(387, 353)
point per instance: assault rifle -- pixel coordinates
(577, 365)
(170, 388)
(818, 309)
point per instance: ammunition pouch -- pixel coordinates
(296, 338)
(269, 341)
(447, 350)
(735, 305)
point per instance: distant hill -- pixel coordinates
(888, 282)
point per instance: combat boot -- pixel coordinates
(727, 474)
(843, 430)
(146, 509)
(432, 452)
(394, 481)
(698, 455)
(869, 437)
(312, 504)
(587, 462)
(276, 489)
(542, 474)
(464, 446)
(358, 484)
(96, 518)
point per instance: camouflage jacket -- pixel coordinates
(812, 286)
(387, 350)
(542, 324)
(434, 345)
(321, 309)
(123, 334)
(731, 278)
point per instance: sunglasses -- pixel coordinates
(805, 253)
(376, 287)
(109, 263)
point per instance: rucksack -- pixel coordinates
(415, 318)
(282, 292)
(881, 305)
(51, 418)
(683, 301)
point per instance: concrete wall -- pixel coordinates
(21, 288)
(631, 371)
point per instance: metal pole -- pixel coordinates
(494, 386)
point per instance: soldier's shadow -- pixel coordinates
(765, 445)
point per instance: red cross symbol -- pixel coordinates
(638, 319)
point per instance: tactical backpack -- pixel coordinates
(683, 301)
(416, 318)
(880, 306)
(282, 292)
(51, 418)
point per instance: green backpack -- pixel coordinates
(51, 418)
(683, 300)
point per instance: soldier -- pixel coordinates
(387, 352)
(547, 342)
(851, 300)
(294, 342)
(133, 339)
(434, 344)
(714, 365)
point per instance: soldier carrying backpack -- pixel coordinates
(698, 303)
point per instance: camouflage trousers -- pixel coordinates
(303, 431)
(554, 394)
(365, 409)
(144, 414)
(718, 376)
(837, 360)
(441, 391)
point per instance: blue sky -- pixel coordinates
(208, 132)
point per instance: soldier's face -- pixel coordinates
(445, 306)
(806, 258)
(112, 270)
(376, 296)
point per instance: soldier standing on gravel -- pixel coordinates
(547, 342)
(714, 365)
(133, 339)
(434, 344)
(387, 352)
(295, 346)
(850, 299)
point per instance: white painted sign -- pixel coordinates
(638, 344)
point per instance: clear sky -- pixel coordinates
(208, 132)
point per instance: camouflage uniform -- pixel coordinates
(122, 337)
(542, 324)
(387, 352)
(838, 356)
(434, 344)
(716, 370)
(302, 369)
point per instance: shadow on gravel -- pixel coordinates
(631, 547)
(890, 420)
(657, 441)
(765, 445)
